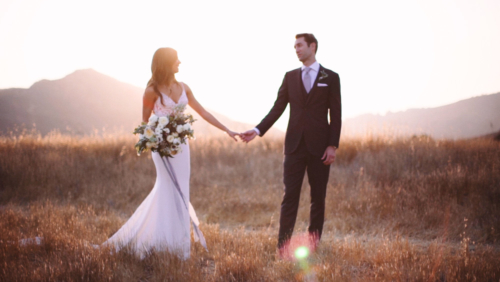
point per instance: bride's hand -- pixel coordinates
(233, 134)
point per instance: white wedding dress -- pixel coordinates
(162, 220)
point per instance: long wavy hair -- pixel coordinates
(162, 69)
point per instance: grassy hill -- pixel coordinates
(397, 209)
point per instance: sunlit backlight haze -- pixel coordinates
(390, 55)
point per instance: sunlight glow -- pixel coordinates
(391, 55)
(301, 252)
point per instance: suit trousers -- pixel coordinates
(295, 167)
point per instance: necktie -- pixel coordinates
(307, 79)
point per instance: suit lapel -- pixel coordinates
(314, 85)
(302, 91)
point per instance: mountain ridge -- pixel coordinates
(471, 117)
(81, 103)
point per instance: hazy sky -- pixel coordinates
(390, 55)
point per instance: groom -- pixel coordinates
(311, 139)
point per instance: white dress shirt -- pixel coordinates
(313, 73)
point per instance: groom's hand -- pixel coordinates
(248, 136)
(329, 155)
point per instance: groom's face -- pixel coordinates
(303, 51)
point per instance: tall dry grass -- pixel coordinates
(397, 209)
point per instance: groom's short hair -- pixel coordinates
(309, 38)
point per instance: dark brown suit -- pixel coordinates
(308, 135)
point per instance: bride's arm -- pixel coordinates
(148, 102)
(195, 105)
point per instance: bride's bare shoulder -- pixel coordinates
(186, 87)
(150, 93)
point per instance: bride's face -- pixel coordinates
(175, 67)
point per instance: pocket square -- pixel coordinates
(322, 84)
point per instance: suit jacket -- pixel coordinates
(308, 111)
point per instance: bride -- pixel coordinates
(162, 220)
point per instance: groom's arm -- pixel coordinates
(277, 110)
(335, 112)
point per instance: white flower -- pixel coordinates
(166, 130)
(177, 141)
(180, 128)
(170, 138)
(163, 121)
(148, 132)
(141, 136)
(153, 118)
(175, 134)
(159, 134)
(187, 127)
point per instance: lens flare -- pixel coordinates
(301, 252)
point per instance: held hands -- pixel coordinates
(248, 136)
(233, 134)
(329, 155)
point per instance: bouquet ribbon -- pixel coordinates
(198, 236)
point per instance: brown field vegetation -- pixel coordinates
(398, 209)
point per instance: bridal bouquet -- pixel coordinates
(165, 134)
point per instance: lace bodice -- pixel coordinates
(169, 105)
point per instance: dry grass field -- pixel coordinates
(398, 209)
